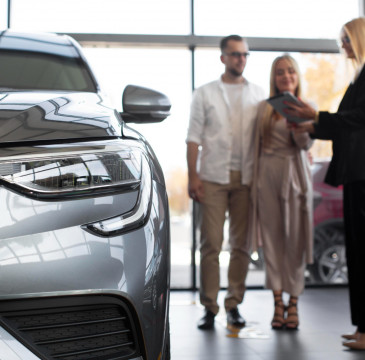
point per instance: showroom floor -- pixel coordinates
(324, 316)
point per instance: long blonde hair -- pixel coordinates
(269, 114)
(355, 30)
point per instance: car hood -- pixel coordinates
(40, 115)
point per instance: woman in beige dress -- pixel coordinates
(282, 197)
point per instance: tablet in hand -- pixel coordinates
(278, 103)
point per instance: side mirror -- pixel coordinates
(142, 105)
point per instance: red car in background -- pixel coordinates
(329, 265)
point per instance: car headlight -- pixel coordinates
(130, 220)
(74, 174)
(84, 172)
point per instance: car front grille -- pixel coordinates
(73, 328)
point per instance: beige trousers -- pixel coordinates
(284, 250)
(218, 198)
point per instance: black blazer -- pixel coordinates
(346, 129)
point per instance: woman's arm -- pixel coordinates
(326, 123)
(302, 140)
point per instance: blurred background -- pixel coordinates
(173, 47)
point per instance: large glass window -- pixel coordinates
(96, 16)
(280, 18)
(3, 14)
(168, 71)
(165, 70)
(325, 78)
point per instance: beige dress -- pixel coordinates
(282, 198)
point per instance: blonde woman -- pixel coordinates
(282, 193)
(346, 129)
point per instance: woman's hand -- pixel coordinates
(302, 127)
(303, 111)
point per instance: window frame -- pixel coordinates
(191, 42)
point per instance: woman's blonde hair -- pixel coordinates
(270, 115)
(355, 30)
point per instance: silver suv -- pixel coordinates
(84, 220)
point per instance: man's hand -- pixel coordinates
(195, 185)
(195, 188)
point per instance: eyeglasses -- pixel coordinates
(237, 54)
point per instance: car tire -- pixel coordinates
(329, 265)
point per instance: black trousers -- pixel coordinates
(354, 217)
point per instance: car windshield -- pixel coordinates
(38, 71)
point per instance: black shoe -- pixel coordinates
(234, 318)
(207, 321)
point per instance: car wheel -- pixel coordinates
(329, 265)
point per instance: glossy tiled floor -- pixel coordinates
(324, 316)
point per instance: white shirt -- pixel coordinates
(211, 127)
(234, 93)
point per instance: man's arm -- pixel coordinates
(195, 185)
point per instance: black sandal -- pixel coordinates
(278, 321)
(292, 320)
